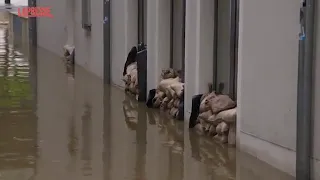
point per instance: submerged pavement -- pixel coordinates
(55, 125)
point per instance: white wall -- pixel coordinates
(177, 37)
(316, 125)
(198, 49)
(124, 35)
(267, 82)
(53, 35)
(89, 46)
(158, 40)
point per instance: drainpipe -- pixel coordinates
(305, 85)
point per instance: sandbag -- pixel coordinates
(212, 131)
(176, 103)
(214, 120)
(205, 102)
(224, 127)
(168, 93)
(205, 115)
(223, 138)
(167, 82)
(156, 102)
(164, 103)
(170, 104)
(177, 88)
(219, 129)
(69, 53)
(159, 94)
(173, 112)
(171, 91)
(229, 116)
(131, 58)
(221, 103)
(168, 73)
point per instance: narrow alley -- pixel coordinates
(58, 125)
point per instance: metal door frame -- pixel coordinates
(183, 35)
(32, 23)
(106, 41)
(141, 16)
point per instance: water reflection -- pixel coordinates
(86, 136)
(83, 129)
(18, 122)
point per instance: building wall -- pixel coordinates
(267, 65)
(198, 49)
(124, 35)
(316, 115)
(267, 83)
(54, 33)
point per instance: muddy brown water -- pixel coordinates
(56, 125)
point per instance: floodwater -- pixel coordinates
(56, 125)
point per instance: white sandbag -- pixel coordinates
(219, 129)
(176, 103)
(224, 127)
(170, 104)
(212, 131)
(221, 103)
(205, 115)
(168, 73)
(177, 88)
(205, 101)
(223, 138)
(229, 116)
(167, 82)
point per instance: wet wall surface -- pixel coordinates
(59, 125)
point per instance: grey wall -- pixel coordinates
(223, 45)
(316, 131)
(177, 34)
(124, 35)
(198, 49)
(89, 46)
(267, 82)
(52, 33)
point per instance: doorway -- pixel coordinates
(177, 35)
(226, 46)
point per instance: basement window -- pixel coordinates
(86, 14)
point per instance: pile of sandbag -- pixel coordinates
(217, 117)
(130, 72)
(131, 79)
(169, 95)
(69, 53)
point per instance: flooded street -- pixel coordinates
(56, 125)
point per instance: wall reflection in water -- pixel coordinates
(62, 123)
(18, 121)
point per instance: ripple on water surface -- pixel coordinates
(17, 119)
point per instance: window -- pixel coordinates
(86, 14)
